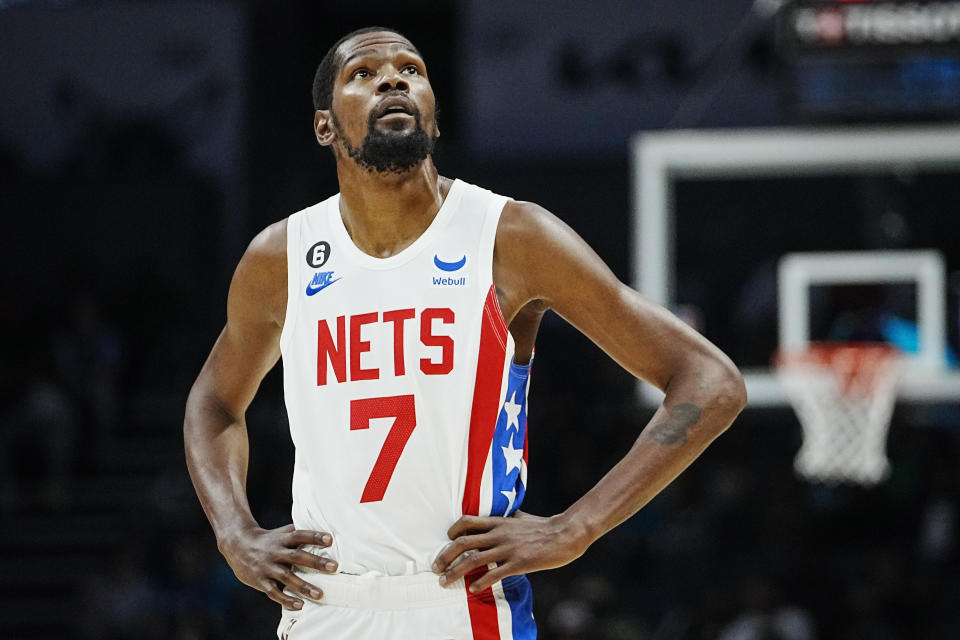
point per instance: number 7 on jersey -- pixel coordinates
(401, 408)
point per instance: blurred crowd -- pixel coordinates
(738, 548)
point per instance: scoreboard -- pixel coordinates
(871, 60)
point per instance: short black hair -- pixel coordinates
(330, 65)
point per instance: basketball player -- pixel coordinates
(405, 310)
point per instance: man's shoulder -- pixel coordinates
(270, 243)
(522, 221)
(529, 237)
(526, 234)
(259, 286)
(264, 263)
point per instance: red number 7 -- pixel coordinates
(366, 409)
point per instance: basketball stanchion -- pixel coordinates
(843, 394)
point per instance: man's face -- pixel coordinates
(383, 111)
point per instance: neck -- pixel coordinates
(386, 213)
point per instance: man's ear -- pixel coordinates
(323, 127)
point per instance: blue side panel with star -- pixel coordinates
(507, 464)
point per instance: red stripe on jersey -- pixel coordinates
(483, 422)
(483, 609)
(526, 441)
(486, 399)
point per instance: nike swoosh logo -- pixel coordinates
(314, 290)
(449, 266)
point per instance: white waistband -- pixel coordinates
(382, 592)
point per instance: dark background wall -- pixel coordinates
(143, 144)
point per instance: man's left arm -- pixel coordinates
(539, 258)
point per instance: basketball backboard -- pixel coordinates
(664, 161)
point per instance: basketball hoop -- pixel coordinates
(843, 394)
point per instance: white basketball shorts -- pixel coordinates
(411, 608)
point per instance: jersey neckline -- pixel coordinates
(343, 239)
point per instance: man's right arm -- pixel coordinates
(215, 432)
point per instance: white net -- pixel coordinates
(843, 395)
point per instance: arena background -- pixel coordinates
(143, 143)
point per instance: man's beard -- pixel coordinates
(389, 151)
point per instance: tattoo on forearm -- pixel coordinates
(673, 430)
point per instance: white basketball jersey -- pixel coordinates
(404, 406)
